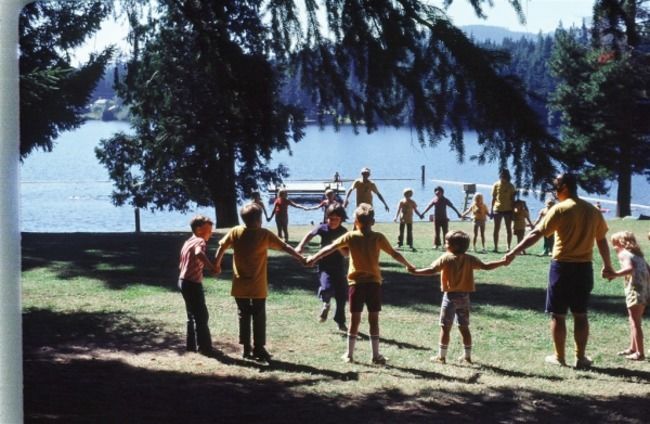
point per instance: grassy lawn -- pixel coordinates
(103, 336)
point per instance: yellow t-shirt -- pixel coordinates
(456, 271)
(408, 207)
(364, 255)
(576, 224)
(364, 190)
(519, 221)
(480, 212)
(503, 193)
(250, 246)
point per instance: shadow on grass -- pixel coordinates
(81, 390)
(124, 259)
(111, 391)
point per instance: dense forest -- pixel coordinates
(525, 56)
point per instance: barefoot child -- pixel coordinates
(364, 275)
(190, 281)
(405, 209)
(250, 243)
(456, 270)
(479, 213)
(331, 270)
(637, 289)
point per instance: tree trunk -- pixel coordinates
(624, 193)
(224, 192)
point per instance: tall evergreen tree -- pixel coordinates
(52, 91)
(603, 98)
(204, 82)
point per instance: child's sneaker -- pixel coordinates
(438, 359)
(261, 354)
(583, 363)
(553, 360)
(342, 327)
(347, 358)
(465, 360)
(247, 354)
(323, 312)
(379, 360)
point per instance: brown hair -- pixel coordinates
(365, 214)
(199, 221)
(458, 241)
(250, 213)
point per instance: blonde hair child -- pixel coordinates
(479, 212)
(636, 272)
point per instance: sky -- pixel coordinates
(541, 15)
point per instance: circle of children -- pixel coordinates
(361, 284)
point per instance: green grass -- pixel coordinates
(104, 336)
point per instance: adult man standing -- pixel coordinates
(364, 187)
(576, 225)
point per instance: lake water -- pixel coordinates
(67, 190)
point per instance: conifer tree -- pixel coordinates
(204, 81)
(52, 91)
(603, 99)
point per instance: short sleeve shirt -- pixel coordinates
(457, 272)
(408, 206)
(191, 267)
(576, 225)
(364, 255)
(480, 212)
(364, 190)
(334, 262)
(250, 258)
(503, 193)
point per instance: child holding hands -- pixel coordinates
(250, 243)
(456, 270)
(190, 281)
(636, 272)
(364, 275)
(405, 209)
(281, 213)
(479, 212)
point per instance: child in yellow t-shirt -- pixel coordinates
(250, 243)
(364, 275)
(456, 270)
(479, 212)
(520, 215)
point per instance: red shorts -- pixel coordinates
(368, 294)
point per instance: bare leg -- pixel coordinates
(580, 333)
(636, 316)
(558, 332)
(497, 228)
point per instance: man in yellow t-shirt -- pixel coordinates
(364, 275)
(577, 225)
(250, 243)
(364, 187)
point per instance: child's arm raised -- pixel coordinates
(304, 242)
(424, 271)
(486, 266)
(292, 252)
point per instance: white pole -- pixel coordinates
(11, 382)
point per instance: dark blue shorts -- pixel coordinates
(569, 287)
(368, 294)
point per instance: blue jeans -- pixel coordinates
(198, 333)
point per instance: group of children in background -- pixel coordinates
(361, 284)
